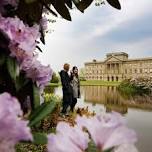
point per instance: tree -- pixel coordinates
(55, 78)
(82, 74)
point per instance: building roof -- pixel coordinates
(118, 53)
(139, 59)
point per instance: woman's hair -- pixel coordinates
(74, 69)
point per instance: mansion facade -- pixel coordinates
(117, 67)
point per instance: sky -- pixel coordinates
(97, 31)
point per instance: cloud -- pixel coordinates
(115, 19)
(98, 31)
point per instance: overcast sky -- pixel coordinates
(98, 31)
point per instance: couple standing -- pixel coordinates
(70, 87)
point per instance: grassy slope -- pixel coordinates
(92, 83)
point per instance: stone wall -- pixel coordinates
(118, 68)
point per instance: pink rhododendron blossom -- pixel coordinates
(75, 134)
(13, 3)
(68, 139)
(108, 130)
(61, 143)
(19, 54)
(19, 33)
(36, 71)
(126, 148)
(111, 119)
(44, 23)
(120, 135)
(12, 127)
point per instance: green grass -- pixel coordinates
(126, 88)
(54, 84)
(99, 83)
(91, 83)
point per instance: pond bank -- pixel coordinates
(91, 83)
(136, 86)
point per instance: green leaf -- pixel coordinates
(36, 96)
(114, 3)
(92, 147)
(31, 12)
(2, 59)
(20, 82)
(37, 111)
(61, 9)
(41, 113)
(12, 67)
(109, 150)
(29, 1)
(49, 9)
(69, 3)
(83, 4)
(40, 138)
(42, 35)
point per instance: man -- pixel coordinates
(66, 88)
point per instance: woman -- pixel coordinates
(75, 83)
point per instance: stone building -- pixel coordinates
(117, 67)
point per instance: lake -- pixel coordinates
(137, 110)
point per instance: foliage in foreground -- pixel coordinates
(23, 79)
(136, 86)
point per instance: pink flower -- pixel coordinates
(19, 54)
(36, 71)
(126, 148)
(44, 23)
(13, 3)
(108, 130)
(61, 143)
(12, 128)
(68, 139)
(75, 134)
(19, 33)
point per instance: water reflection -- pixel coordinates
(112, 99)
(136, 109)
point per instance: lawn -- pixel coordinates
(91, 83)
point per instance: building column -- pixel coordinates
(110, 68)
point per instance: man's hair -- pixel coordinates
(66, 66)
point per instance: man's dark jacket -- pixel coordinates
(66, 80)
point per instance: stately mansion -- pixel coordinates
(117, 67)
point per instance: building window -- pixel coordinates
(130, 70)
(108, 66)
(117, 78)
(135, 70)
(146, 71)
(112, 78)
(126, 71)
(140, 70)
